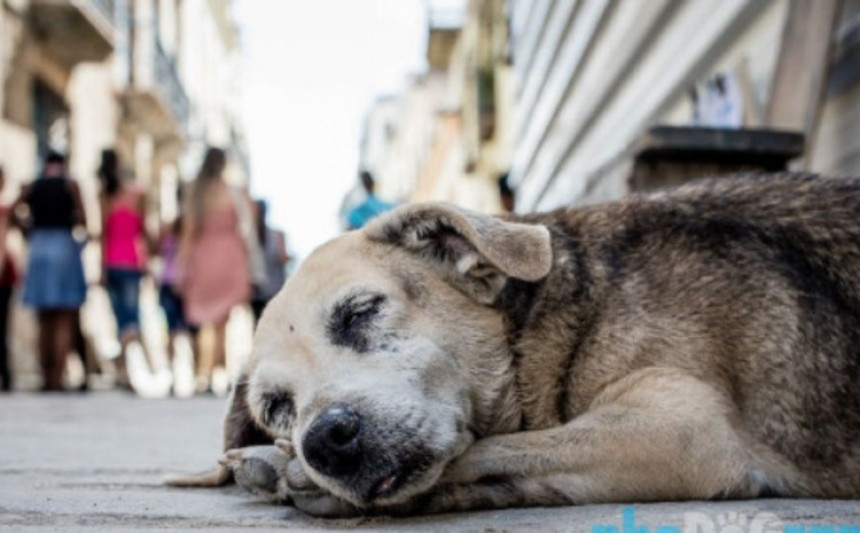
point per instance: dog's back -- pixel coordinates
(751, 284)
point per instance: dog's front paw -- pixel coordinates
(306, 495)
(260, 470)
(274, 473)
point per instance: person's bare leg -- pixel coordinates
(219, 382)
(63, 342)
(55, 338)
(220, 344)
(205, 357)
(47, 328)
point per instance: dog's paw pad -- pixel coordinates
(258, 469)
(258, 476)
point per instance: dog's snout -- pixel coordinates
(332, 443)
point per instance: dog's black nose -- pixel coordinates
(332, 443)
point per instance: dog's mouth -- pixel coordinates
(386, 485)
(390, 486)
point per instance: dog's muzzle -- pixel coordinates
(332, 444)
(347, 447)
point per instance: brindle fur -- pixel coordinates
(697, 343)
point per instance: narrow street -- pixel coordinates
(95, 463)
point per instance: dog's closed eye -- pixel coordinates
(277, 408)
(349, 320)
(363, 311)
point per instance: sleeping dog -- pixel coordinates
(697, 343)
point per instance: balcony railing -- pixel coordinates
(74, 31)
(169, 85)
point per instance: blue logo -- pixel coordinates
(728, 522)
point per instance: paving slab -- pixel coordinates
(95, 462)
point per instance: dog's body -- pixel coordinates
(697, 343)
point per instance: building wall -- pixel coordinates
(595, 74)
(450, 132)
(836, 146)
(209, 65)
(836, 149)
(410, 145)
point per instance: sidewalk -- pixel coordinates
(95, 463)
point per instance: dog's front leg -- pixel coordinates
(274, 473)
(655, 435)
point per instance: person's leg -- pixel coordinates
(113, 286)
(80, 348)
(134, 351)
(128, 306)
(172, 307)
(194, 333)
(205, 356)
(63, 342)
(219, 381)
(46, 348)
(5, 371)
(220, 344)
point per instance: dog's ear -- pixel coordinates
(240, 431)
(240, 427)
(468, 246)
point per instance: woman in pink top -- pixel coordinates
(123, 252)
(214, 255)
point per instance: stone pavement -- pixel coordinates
(95, 463)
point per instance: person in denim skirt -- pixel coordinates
(54, 283)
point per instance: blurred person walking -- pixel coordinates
(8, 279)
(54, 282)
(273, 244)
(372, 206)
(123, 258)
(215, 258)
(171, 300)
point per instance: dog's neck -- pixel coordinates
(546, 324)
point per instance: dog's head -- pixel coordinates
(383, 355)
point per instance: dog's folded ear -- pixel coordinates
(475, 245)
(240, 431)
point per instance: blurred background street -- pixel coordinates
(213, 144)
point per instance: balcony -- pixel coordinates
(74, 31)
(169, 86)
(155, 99)
(444, 29)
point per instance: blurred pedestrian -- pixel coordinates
(372, 206)
(169, 295)
(123, 258)
(274, 248)
(8, 279)
(171, 301)
(507, 196)
(54, 282)
(214, 256)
